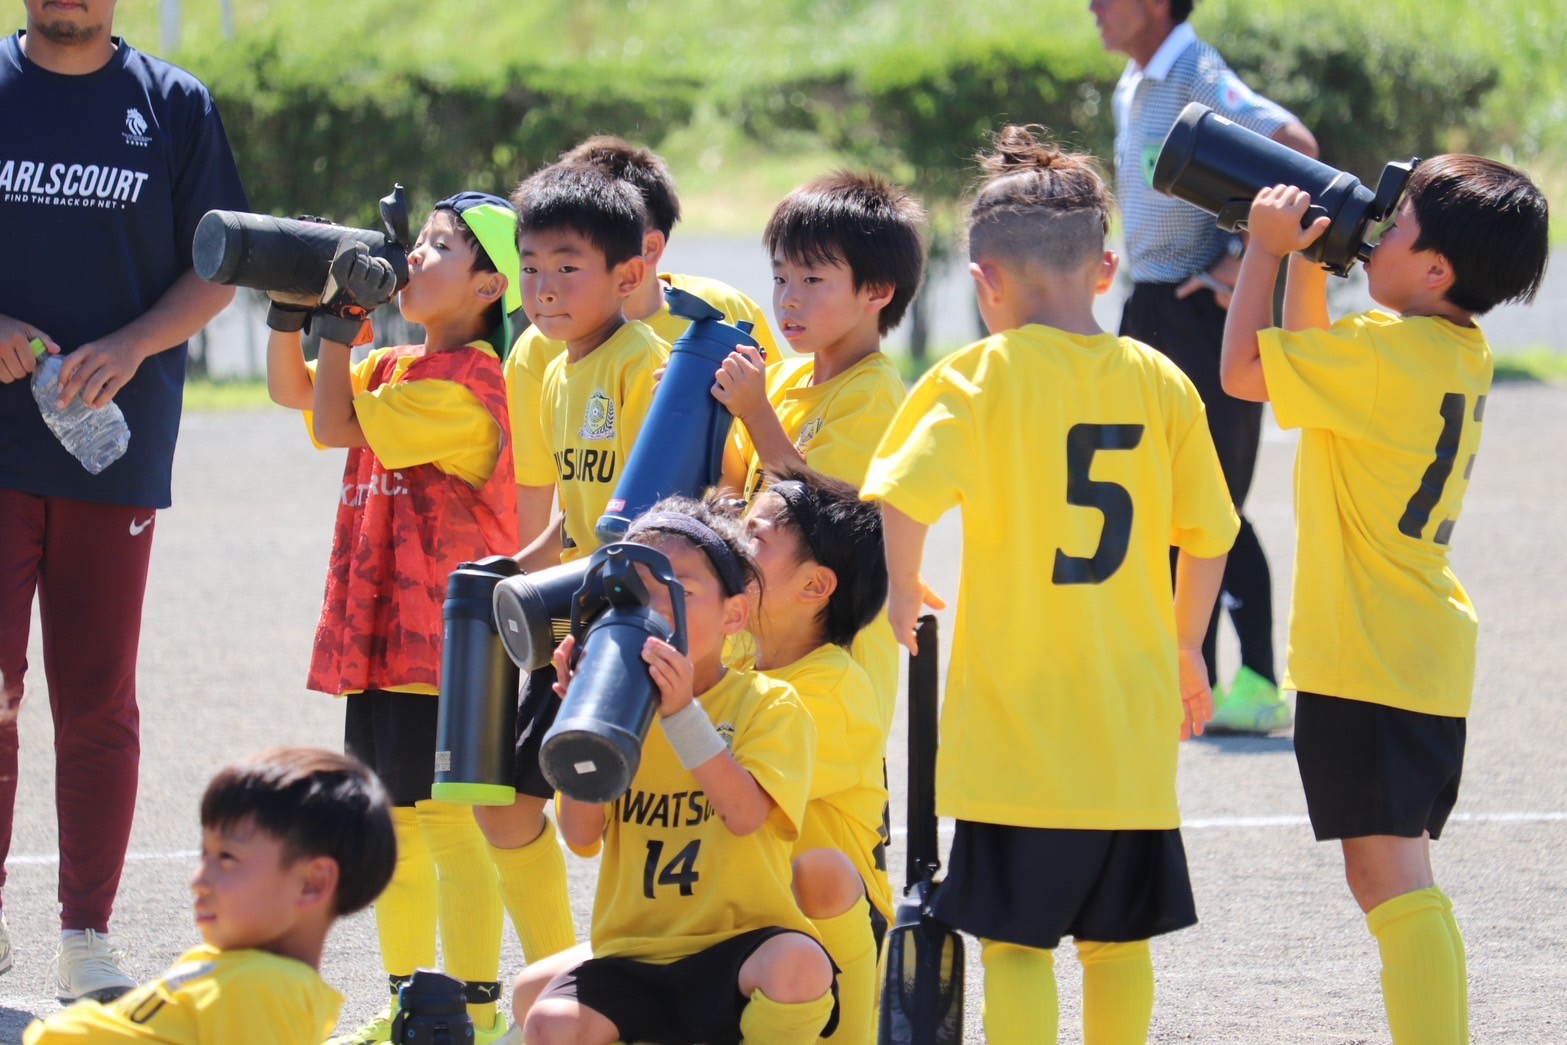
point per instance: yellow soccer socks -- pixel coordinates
(533, 885)
(1021, 1007)
(1117, 992)
(405, 911)
(767, 1022)
(469, 902)
(1422, 978)
(1463, 965)
(852, 947)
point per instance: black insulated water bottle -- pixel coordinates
(533, 612)
(291, 257)
(478, 704)
(680, 449)
(1220, 166)
(592, 752)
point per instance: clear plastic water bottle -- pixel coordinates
(96, 438)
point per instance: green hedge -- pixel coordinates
(308, 139)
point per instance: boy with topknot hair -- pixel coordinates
(1078, 459)
(1382, 635)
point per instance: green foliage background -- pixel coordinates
(328, 103)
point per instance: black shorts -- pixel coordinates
(394, 734)
(1369, 769)
(1031, 886)
(536, 708)
(693, 999)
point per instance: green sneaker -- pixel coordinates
(1251, 705)
(376, 1031)
(499, 1034)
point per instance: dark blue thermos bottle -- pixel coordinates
(478, 704)
(681, 446)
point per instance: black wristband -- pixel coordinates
(286, 318)
(342, 329)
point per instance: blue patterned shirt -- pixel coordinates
(1169, 240)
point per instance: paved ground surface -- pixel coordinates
(1281, 954)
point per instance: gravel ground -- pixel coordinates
(1281, 954)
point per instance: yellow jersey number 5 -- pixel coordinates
(1111, 500)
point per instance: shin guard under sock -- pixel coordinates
(852, 947)
(468, 898)
(767, 1022)
(1117, 992)
(1020, 994)
(405, 910)
(533, 886)
(1420, 985)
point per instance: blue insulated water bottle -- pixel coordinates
(593, 750)
(477, 714)
(681, 446)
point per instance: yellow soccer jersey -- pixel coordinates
(1077, 462)
(532, 353)
(848, 788)
(674, 880)
(209, 997)
(423, 422)
(836, 426)
(1390, 411)
(589, 416)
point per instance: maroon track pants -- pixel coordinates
(88, 564)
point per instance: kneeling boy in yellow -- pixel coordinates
(1078, 458)
(824, 579)
(291, 840)
(696, 935)
(1382, 635)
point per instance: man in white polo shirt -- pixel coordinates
(1182, 269)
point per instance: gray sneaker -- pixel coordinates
(88, 966)
(5, 946)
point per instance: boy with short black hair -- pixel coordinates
(580, 237)
(848, 253)
(647, 173)
(1382, 635)
(1078, 458)
(292, 839)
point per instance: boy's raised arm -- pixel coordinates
(288, 378)
(741, 385)
(1306, 296)
(1275, 232)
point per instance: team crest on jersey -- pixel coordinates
(598, 421)
(136, 128)
(807, 434)
(727, 731)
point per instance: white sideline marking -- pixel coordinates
(1194, 824)
(1222, 822)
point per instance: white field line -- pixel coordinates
(1206, 823)
(1194, 824)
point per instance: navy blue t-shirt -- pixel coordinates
(103, 178)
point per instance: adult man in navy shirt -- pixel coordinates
(108, 159)
(1183, 268)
